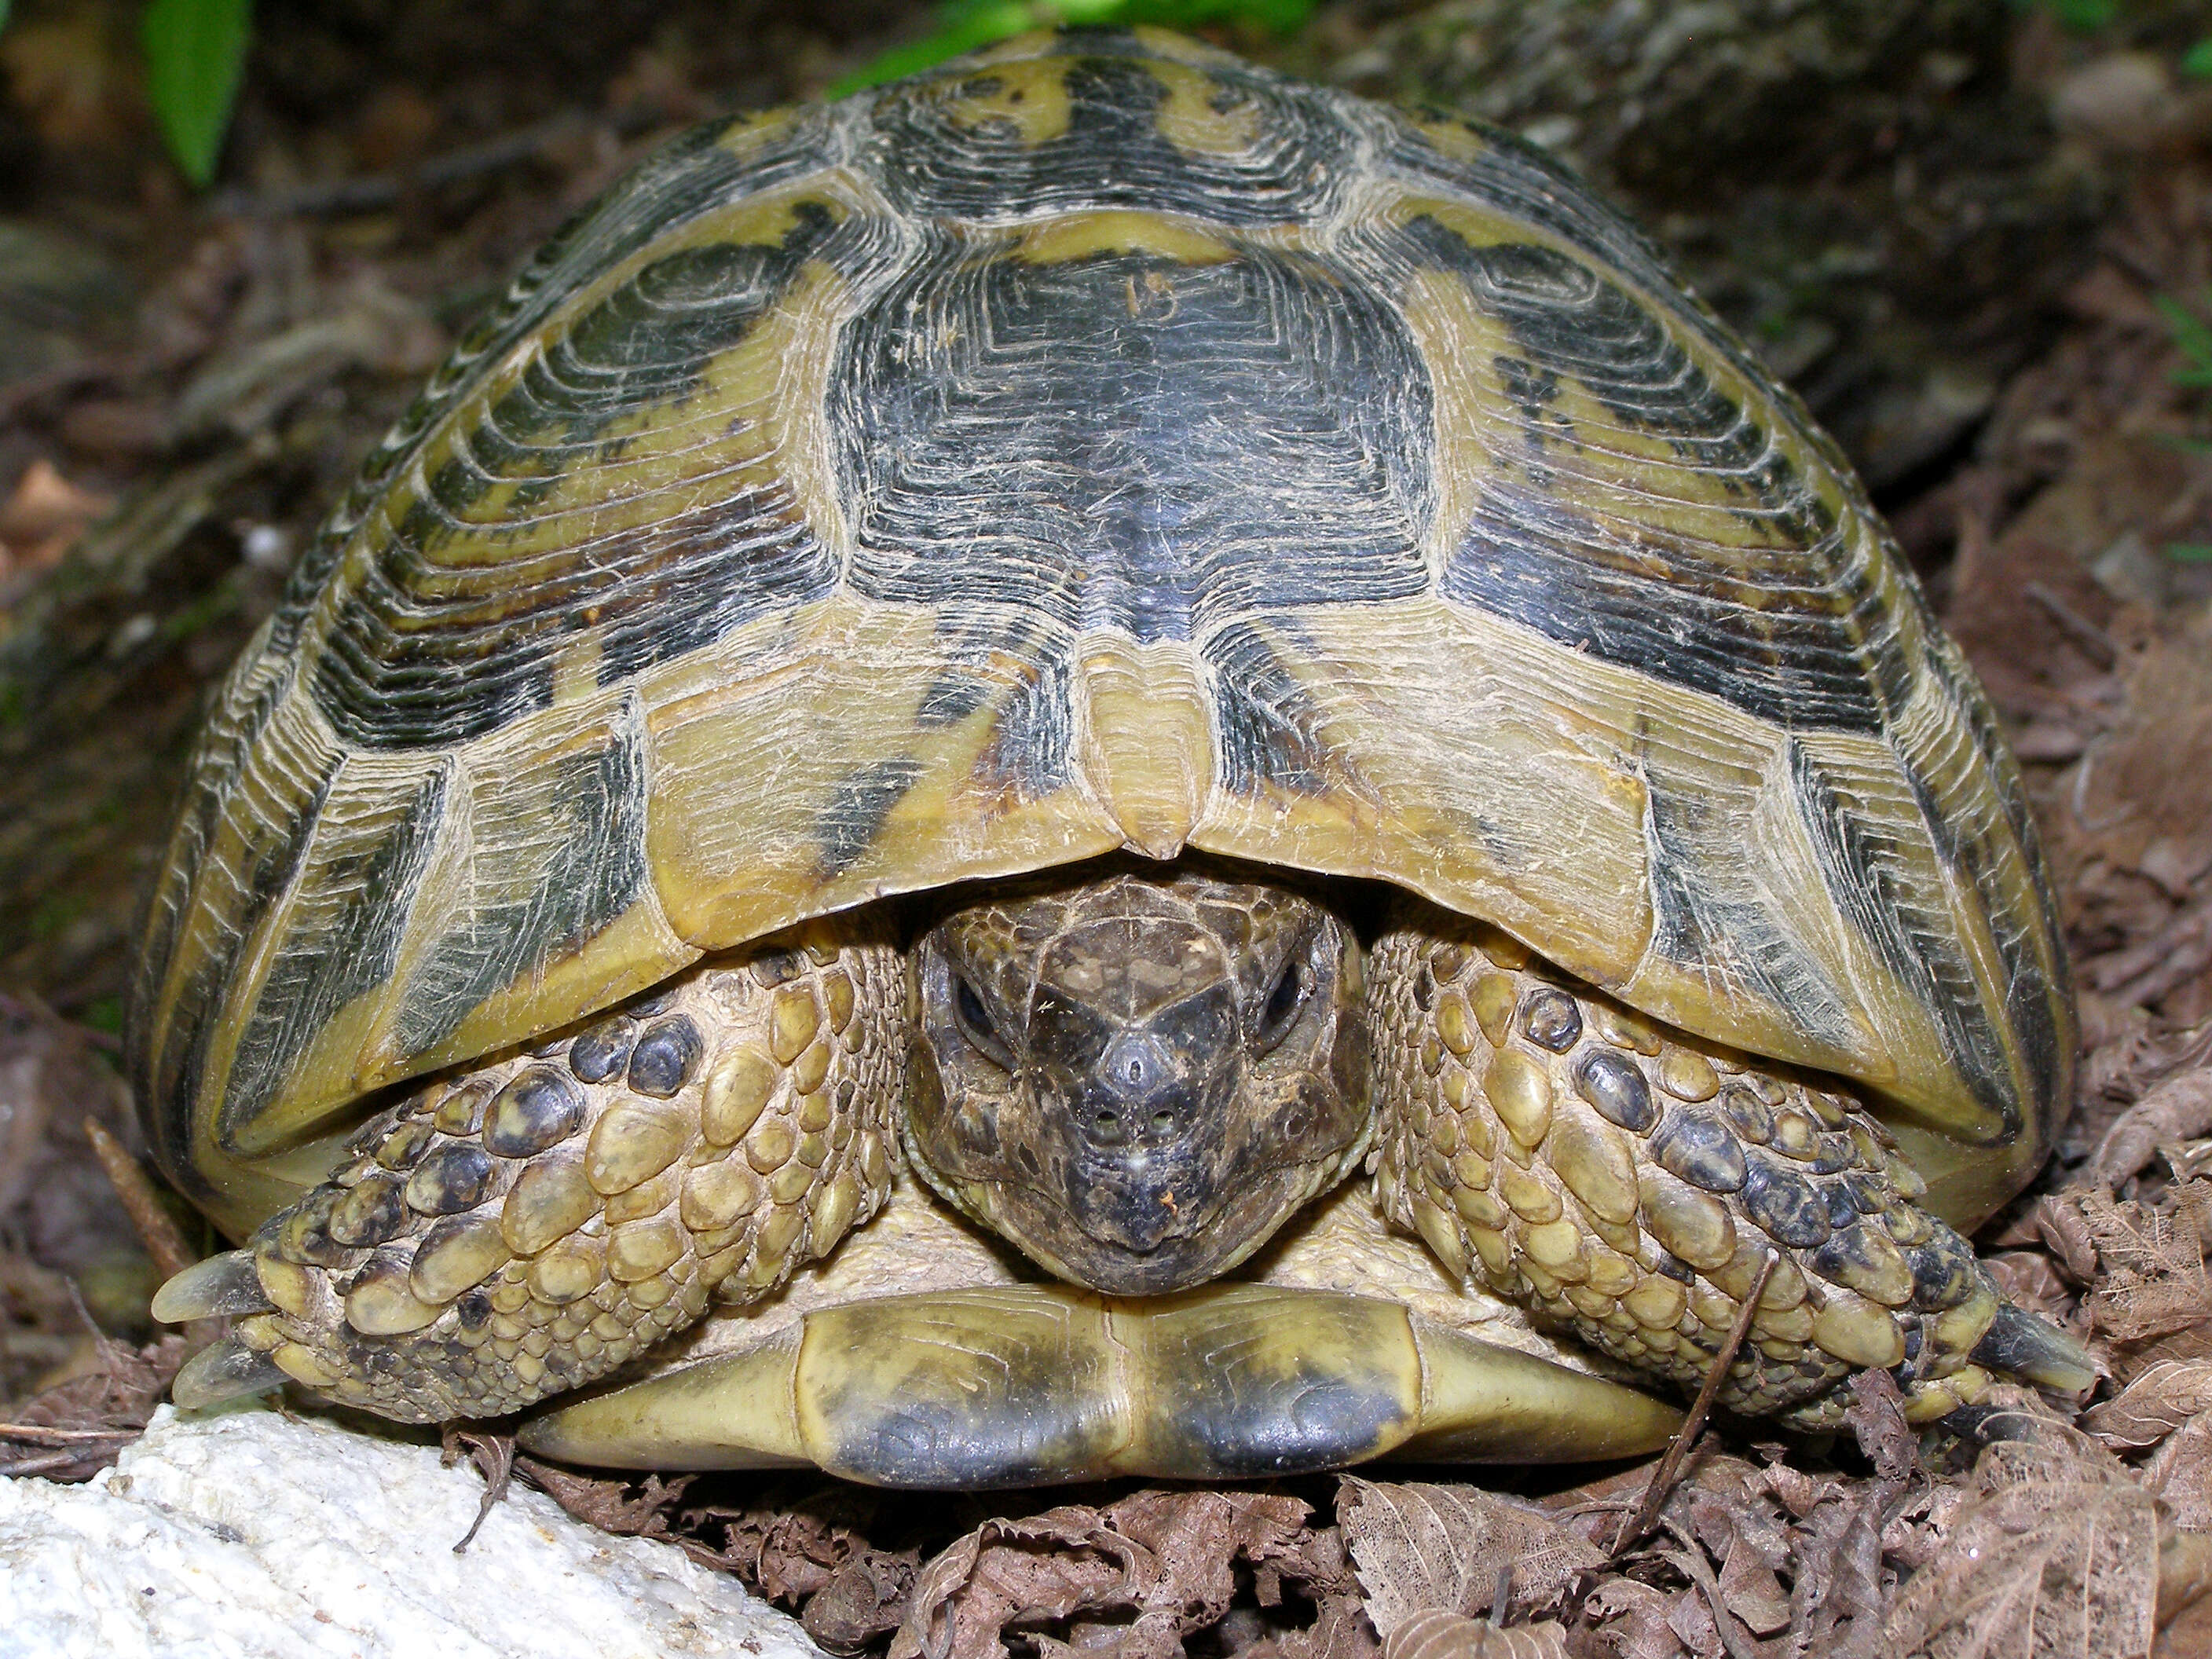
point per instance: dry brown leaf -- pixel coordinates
(1437, 1634)
(2179, 1109)
(1836, 1600)
(2057, 1559)
(2152, 1406)
(1876, 1418)
(1630, 1620)
(1690, 1618)
(612, 1505)
(1339, 1630)
(2066, 1234)
(2137, 1056)
(2184, 1571)
(2148, 1280)
(1417, 1546)
(1751, 1591)
(43, 516)
(2188, 1345)
(864, 1597)
(76, 1428)
(1005, 1571)
(2180, 1472)
(2028, 1278)
(1167, 1556)
(1197, 1537)
(1149, 1636)
(1725, 1503)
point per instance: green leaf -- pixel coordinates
(4, 13)
(2193, 335)
(964, 26)
(2082, 16)
(2189, 552)
(2197, 60)
(195, 53)
(2085, 16)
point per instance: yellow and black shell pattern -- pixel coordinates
(1097, 443)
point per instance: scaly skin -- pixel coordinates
(1627, 1181)
(530, 1225)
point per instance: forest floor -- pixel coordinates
(185, 385)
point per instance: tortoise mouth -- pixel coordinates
(1153, 1231)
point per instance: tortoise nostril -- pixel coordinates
(1136, 1064)
(1163, 1121)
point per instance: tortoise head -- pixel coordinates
(1136, 1081)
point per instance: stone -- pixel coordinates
(239, 1535)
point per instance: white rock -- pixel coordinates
(239, 1535)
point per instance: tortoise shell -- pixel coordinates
(1098, 443)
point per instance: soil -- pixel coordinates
(1956, 228)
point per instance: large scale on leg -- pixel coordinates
(1148, 643)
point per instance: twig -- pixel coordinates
(2094, 641)
(1690, 1561)
(41, 1434)
(1670, 1466)
(155, 1229)
(43, 1465)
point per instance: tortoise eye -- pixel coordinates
(975, 1025)
(1284, 1002)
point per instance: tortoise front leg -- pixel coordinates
(1625, 1182)
(529, 1226)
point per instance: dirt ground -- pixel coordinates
(1973, 239)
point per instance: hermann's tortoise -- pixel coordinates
(972, 704)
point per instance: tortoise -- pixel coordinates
(970, 704)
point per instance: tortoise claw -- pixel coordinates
(228, 1370)
(2022, 1346)
(220, 1287)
